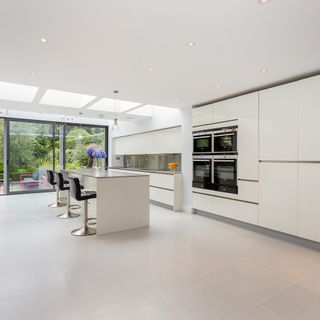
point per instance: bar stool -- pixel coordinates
(58, 203)
(64, 185)
(75, 192)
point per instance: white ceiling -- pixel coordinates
(97, 46)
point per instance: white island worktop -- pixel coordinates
(122, 201)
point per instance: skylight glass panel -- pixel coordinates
(107, 105)
(17, 92)
(65, 99)
(146, 111)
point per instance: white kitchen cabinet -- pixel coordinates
(278, 123)
(248, 191)
(278, 193)
(154, 142)
(248, 136)
(202, 115)
(308, 200)
(219, 206)
(227, 110)
(309, 115)
(248, 212)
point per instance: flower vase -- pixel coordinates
(90, 163)
(96, 163)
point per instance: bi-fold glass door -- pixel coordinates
(29, 148)
(31, 151)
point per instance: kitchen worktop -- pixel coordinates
(145, 170)
(101, 173)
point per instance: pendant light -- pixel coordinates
(80, 136)
(115, 125)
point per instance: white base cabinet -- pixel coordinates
(229, 208)
(309, 201)
(278, 197)
(164, 188)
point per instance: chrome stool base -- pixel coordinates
(75, 206)
(68, 215)
(84, 231)
(57, 205)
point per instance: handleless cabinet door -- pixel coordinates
(309, 115)
(248, 137)
(202, 115)
(227, 110)
(278, 192)
(309, 204)
(278, 123)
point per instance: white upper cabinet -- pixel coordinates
(278, 192)
(309, 115)
(278, 119)
(309, 204)
(202, 115)
(227, 110)
(154, 142)
(248, 136)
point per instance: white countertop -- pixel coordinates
(95, 173)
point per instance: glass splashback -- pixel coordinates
(154, 162)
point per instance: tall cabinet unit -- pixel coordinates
(243, 112)
(309, 159)
(278, 123)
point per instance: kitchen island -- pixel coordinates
(122, 201)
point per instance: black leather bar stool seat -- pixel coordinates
(76, 193)
(63, 185)
(58, 203)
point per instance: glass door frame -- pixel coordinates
(7, 155)
(6, 151)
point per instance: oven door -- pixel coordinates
(225, 175)
(202, 143)
(202, 173)
(225, 142)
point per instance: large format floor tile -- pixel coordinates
(295, 303)
(205, 298)
(257, 313)
(182, 267)
(256, 282)
(143, 308)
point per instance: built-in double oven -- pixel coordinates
(216, 168)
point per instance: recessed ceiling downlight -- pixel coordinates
(263, 1)
(44, 40)
(150, 68)
(191, 44)
(264, 70)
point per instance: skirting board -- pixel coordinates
(268, 232)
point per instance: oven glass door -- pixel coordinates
(225, 172)
(202, 143)
(202, 172)
(224, 143)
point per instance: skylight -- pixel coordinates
(65, 99)
(146, 111)
(17, 92)
(107, 105)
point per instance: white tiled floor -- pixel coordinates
(183, 267)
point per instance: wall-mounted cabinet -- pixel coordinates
(154, 142)
(278, 121)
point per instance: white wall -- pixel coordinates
(163, 119)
